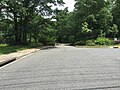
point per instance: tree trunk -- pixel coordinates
(16, 29)
(18, 32)
(30, 38)
(25, 27)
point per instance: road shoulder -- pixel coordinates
(7, 58)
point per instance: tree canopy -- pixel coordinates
(24, 21)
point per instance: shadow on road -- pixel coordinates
(48, 47)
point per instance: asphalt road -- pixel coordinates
(64, 68)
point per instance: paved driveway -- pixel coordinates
(64, 68)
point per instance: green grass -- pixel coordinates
(96, 46)
(6, 49)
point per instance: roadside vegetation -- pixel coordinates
(6, 49)
(97, 46)
(24, 22)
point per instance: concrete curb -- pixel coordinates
(115, 47)
(7, 61)
(26, 54)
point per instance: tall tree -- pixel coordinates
(21, 12)
(86, 11)
(116, 14)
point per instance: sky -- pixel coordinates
(69, 4)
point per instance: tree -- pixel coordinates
(97, 14)
(85, 28)
(22, 12)
(61, 25)
(86, 11)
(116, 14)
(104, 20)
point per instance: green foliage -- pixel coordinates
(116, 13)
(24, 22)
(85, 43)
(81, 42)
(104, 18)
(47, 40)
(64, 26)
(114, 28)
(1, 38)
(85, 8)
(47, 37)
(85, 28)
(27, 19)
(93, 16)
(90, 43)
(104, 41)
(5, 49)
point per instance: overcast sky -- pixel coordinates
(69, 4)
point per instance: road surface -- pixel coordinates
(64, 68)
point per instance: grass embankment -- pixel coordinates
(97, 46)
(6, 49)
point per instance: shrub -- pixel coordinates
(85, 42)
(81, 42)
(47, 41)
(103, 41)
(90, 43)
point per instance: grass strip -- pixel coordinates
(92, 46)
(6, 49)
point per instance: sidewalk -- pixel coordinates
(6, 58)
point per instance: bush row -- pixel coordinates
(98, 41)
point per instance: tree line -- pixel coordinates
(24, 22)
(89, 20)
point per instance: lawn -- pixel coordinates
(96, 46)
(6, 49)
